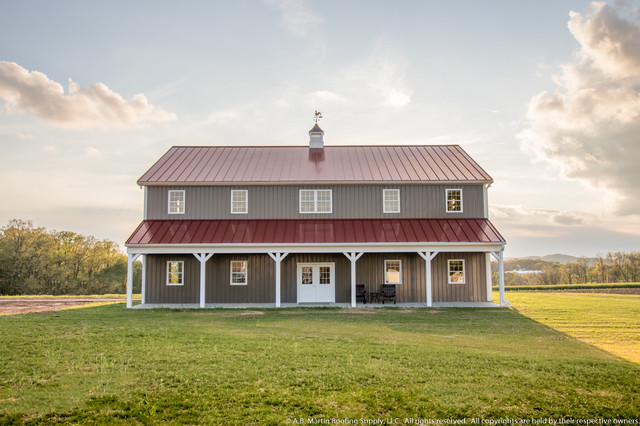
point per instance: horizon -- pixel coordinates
(535, 93)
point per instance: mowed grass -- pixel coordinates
(110, 365)
(609, 321)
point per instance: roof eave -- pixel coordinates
(321, 182)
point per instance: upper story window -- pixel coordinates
(315, 201)
(393, 272)
(391, 201)
(454, 200)
(176, 202)
(456, 271)
(238, 272)
(239, 201)
(175, 272)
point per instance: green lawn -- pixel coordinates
(106, 364)
(608, 321)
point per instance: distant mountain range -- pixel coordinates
(557, 257)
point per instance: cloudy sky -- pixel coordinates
(544, 94)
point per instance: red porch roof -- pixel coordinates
(202, 165)
(314, 231)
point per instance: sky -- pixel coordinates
(544, 95)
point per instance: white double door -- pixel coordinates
(316, 283)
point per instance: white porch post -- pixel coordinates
(353, 257)
(503, 301)
(488, 273)
(131, 257)
(500, 256)
(143, 284)
(277, 257)
(428, 257)
(202, 257)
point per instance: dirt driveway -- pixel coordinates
(44, 304)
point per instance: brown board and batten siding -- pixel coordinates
(282, 202)
(473, 290)
(260, 286)
(157, 290)
(370, 272)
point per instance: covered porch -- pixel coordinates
(342, 242)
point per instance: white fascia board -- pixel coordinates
(313, 183)
(314, 248)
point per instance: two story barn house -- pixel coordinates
(288, 225)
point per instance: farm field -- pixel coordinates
(608, 321)
(106, 364)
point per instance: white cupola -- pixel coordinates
(316, 135)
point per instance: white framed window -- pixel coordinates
(238, 272)
(456, 271)
(315, 201)
(454, 200)
(391, 201)
(176, 202)
(239, 201)
(175, 272)
(393, 272)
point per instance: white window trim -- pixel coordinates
(464, 271)
(384, 200)
(246, 197)
(181, 275)
(246, 272)
(315, 201)
(446, 200)
(184, 201)
(385, 271)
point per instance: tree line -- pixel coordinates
(613, 267)
(34, 260)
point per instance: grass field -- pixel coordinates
(110, 365)
(554, 287)
(609, 321)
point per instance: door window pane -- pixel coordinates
(325, 275)
(307, 275)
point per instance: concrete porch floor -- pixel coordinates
(315, 305)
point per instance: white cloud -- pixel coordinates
(296, 18)
(94, 106)
(91, 151)
(223, 117)
(50, 148)
(383, 72)
(323, 97)
(590, 127)
(527, 216)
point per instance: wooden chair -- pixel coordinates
(388, 292)
(361, 293)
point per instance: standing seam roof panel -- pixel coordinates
(450, 169)
(461, 165)
(480, 173)
(191, 162)
(427, 172)
(310, 231)
(294, 164)
(161, 172)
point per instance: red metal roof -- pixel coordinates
(193, 165)
(314, 231)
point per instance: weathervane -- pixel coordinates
(317, 117)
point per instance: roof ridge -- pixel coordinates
(307, 146)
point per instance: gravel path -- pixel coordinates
(35, 304)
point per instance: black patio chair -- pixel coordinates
(361, 293)
(388, 292)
